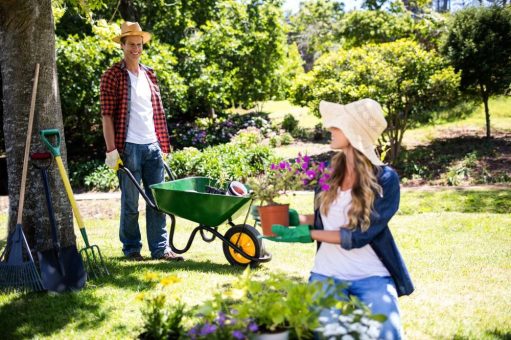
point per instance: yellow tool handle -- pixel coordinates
(69, 191)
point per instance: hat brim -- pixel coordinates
(146, 36)
(333, 116)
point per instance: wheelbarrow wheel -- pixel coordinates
(245, 237)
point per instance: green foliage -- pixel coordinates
(205, 132)
(80, 63)
(102, 179)
(403, 77)
(477, 43)
(314, 28)
(248, 137)
(224, 162)
(92, 175)
(234, 60)
(361, 27)
(289, 123)
(162, 321)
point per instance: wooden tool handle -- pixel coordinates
(27, 146)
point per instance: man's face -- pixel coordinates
(132, 48)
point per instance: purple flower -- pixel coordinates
(238, 335)
(207, 329)
(311, 174)
(221, 318)
(252, 327)
(325, 187)
(273, 167)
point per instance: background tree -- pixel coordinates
(27, 37)
(478, 44)
(234, 60)
(404, 78)
(314, 28)
(361, 27)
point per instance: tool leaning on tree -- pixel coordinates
(61, 267)
(91, 254)
(16, 274)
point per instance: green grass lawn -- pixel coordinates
(456, 245)
(472, 121)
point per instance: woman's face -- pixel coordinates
(338, 139)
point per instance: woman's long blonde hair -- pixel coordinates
(362, 193)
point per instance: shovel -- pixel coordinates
(90, 253)
(61, 267)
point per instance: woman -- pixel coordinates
(350, 223)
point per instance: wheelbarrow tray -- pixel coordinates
(188, 198)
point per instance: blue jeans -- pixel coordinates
(378, 293)
(146, 164)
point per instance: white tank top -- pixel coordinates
(335, 261)
(141, 123)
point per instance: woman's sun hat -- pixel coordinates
(132, 29)
(362, 122)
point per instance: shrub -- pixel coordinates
(92, 175)
(204, 132)
(224, 162)
(248, 137)
(290, 123)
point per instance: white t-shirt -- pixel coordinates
(141, 124)
(335, 261)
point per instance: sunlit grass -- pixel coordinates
(474, 123)
(455, 243)
(279, 109)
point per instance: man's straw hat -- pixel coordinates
(132, 29)
(362, 122)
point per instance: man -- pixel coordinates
(135, 132)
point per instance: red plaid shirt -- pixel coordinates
(115, 92)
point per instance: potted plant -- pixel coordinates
(280, 178)
(279, 305)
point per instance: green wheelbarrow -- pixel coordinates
(191, 198)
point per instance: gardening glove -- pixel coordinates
(301, 233)
(294, 218)
(113, 160)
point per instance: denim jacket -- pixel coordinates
(378, 236)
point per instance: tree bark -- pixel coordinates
(27, 37)
(486, 98)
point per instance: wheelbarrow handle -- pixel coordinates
(54, 148)
(139, 188)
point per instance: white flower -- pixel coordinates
(347, 337)
(333, 329)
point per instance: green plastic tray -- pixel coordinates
(188, 199)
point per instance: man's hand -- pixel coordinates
(300, 233)
(113, 160)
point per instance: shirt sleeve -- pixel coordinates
(384, 208)
(107, 93)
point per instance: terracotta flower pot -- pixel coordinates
(273, 214)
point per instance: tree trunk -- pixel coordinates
(27, 37)
(486, 98)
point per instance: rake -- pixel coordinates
(91, 254)
(16, 274)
